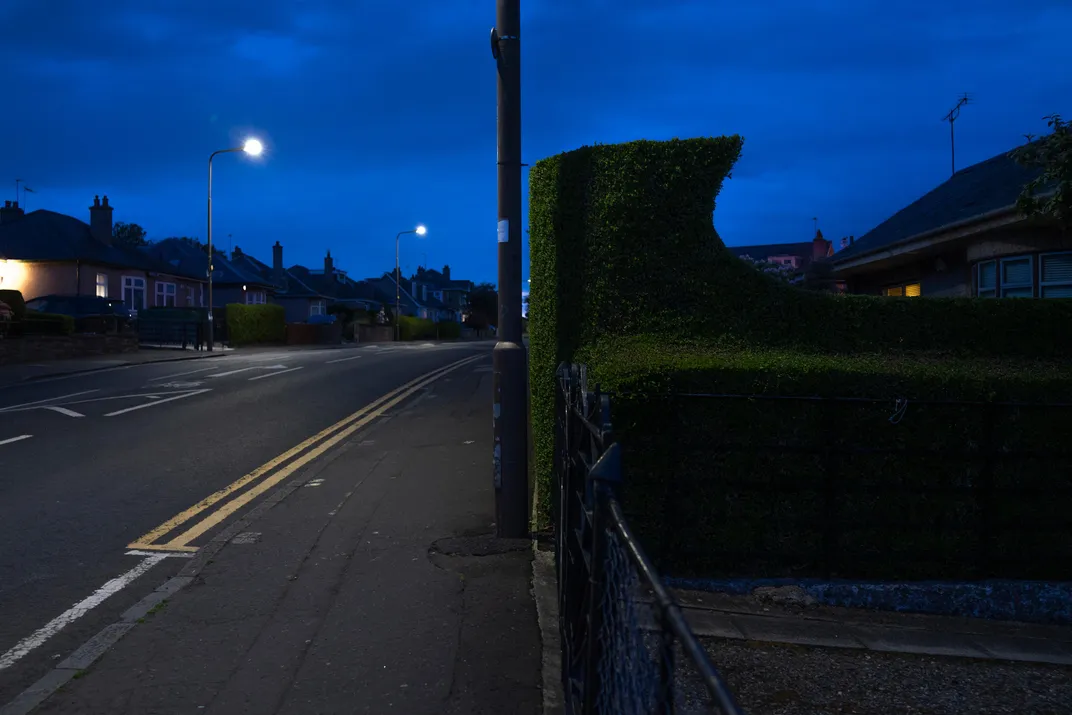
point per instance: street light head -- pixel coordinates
(421, 230)
(253, 147)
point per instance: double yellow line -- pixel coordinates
(305, 452)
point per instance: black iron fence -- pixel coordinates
(626, 647)
(171, 333)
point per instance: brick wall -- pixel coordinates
(41, 348)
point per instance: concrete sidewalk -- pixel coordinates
(368, 584)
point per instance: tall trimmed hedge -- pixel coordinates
(622, 244)
(252, 324)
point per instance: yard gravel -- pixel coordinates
(777, 679)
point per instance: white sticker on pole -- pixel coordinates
(504, 230)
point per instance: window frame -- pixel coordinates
(317, 307)
(256, 297)
(994, 292)
(1043, 285)
(100, 285)
(132, 283)
(1002, 287)
(161, 290)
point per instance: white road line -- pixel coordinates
(168, 554)
(12, 440)
(62, 410)
(332, 362)
(272, 374)
(247, 369)
(50, 399)
(158, 402)
(76, 611)
(180, 374)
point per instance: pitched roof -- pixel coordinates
(290, 287)
(987, 187)
(44, 235)
(339, 286)
(762, 251)
(434, 277)
(194, 260)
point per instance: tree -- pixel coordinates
(128, 235)
(1053, 155)
(483, 306)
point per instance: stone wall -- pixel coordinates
(54, 347)
(305, 334)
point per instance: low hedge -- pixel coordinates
(622, 243)
(410, 328)
(34, 323)
(251, 324)
(751, 474)
(448, 330)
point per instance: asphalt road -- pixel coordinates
(90, 463)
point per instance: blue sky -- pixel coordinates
(381, 115)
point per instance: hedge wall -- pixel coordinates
(622, 244)
(251, 324)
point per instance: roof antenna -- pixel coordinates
(814, 224)
(954, 113)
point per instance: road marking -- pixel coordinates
(76, 611)
(180, 374)
(382, 403)
(273, 374)
(62, 410)
(12, 440)
(191, 393)
(175, 554)
(247, 369)
(12, 408)
(332, 362)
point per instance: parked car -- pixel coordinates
(91, 313)
(6, 316)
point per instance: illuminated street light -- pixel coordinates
(420, 231)
(251, 147)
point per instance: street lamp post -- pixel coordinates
(252, 147)
(420, 231)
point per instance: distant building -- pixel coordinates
(797, 256)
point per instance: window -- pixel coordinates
(987, 279)
(255, 297)
(190, 296)
(1055, 275)
(102, 285)
(165, 295)
(202, 295)
(134, 292)
(908, 290)
(316, 307)
(1017, 278)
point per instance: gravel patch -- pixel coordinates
(774, 679)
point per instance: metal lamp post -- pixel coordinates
(252, 147)
(420, 231)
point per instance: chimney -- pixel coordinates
(329, 265)
(236, 253)
(844, 242)
(446, 273)
(852, 240)
(10, 212)
(100, 220)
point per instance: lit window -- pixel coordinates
(1055, 275)
(102, 285)
(165, 295)
(910, 290)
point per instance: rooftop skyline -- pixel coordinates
(377, 119)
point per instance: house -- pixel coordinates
(964, 238)
(299, 301)
(797, 257)
(340, 288)
(45, 253)
(448, 298)
(407, 304)
(230, 283)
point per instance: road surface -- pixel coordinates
(97, 471)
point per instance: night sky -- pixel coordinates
(381, 115)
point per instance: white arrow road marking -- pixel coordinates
(180, 374)
(277, 372)
(62, 410)
(247, 369)
(13, 408)
(76, 611)
(191, 393)
(12, 440)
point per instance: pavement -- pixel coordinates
(267, 532)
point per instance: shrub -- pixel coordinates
(250, 324)
(410, 328)
(15, 301)
(34, 323)
(448, 330)
(622, 243)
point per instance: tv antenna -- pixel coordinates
(952, 117)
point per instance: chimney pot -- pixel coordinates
(100, 220)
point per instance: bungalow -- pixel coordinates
(300, 302)
(964, 238)
(230, 284)
(46, 253)
(341, 288)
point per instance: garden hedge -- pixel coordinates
(622, 244)
(251, 324)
